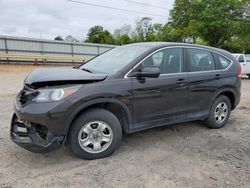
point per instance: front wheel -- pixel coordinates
(95, 134)
(219, 113)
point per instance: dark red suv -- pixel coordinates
(127, 89)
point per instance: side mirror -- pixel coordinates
(147, 72)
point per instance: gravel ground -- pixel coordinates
(182, 155)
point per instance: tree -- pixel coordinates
(122, 39)
(168, 34)
(97, 34)
(154, 32)
(143, 30)
(58, 38)
(241, 42)
(69, 38)
(122, 36)
(182, 17)
(214, 21)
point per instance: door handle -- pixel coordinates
(218, 76)
(181, 81)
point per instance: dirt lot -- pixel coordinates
(183, 155)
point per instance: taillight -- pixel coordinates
(239, 71)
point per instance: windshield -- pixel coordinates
(115, 59)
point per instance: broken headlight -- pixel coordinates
(54, 94)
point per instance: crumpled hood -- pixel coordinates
(60, 76)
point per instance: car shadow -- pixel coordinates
(133, 141)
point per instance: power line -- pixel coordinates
(114, 8)
(145, 4)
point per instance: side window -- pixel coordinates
(200, 60)
(154, 60)
(247, 58)
(223, 62)
(241, 59)
(167, 60)
(157, 59)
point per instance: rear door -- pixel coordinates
(165, 97)
(204, 78)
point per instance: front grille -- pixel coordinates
(27, 94)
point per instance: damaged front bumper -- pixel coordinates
(33, 137)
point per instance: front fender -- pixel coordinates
(85, 105)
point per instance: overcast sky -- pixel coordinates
(29, 18)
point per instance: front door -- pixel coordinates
(162, 98)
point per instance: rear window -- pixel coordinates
(223, 62)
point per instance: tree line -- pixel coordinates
(219, 23)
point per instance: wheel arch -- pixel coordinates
(119, 109)
(228, 92)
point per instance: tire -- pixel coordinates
(96, 133)
(217, 109)
(248, 76)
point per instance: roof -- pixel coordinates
(165, 44)
(236, 54)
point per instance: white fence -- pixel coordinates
(16, 49)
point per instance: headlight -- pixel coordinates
(56, 94)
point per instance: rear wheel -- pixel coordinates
(219, 113)
(95, 134)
